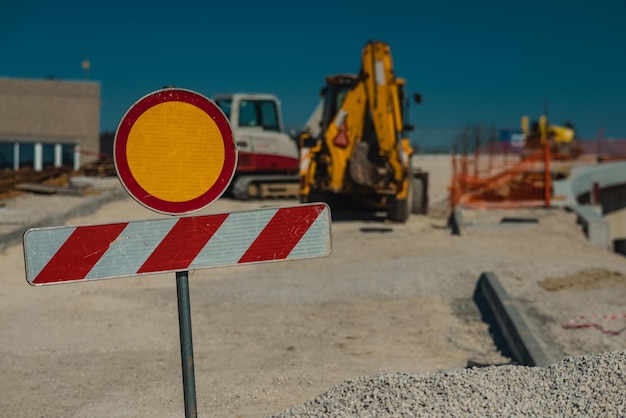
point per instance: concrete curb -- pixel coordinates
(595, 227)
(89, 205)
(508, 322)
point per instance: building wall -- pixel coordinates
(51, 111)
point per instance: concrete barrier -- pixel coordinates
(609, 181)
(595, 227)
(582, 179)
(508, 323)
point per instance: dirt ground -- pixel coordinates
(266, 337)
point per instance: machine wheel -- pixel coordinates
(398, 210)
(305, 198)
(317, 196)
(253, 191)
(240, 188)
(417, 196)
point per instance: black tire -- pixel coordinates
(316, 196)
(417, 196)
(240, 188)
(397, 209)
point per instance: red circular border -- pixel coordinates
(123, 169)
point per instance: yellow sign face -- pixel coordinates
(174, 151)
(163, 154)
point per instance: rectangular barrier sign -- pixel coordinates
(92, 252)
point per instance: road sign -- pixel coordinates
(174, 151)
(82, 253)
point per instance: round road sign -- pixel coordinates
(174, 151)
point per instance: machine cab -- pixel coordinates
(261, 112)
(257, 124)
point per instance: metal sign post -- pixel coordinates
(186, 343)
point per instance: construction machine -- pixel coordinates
(562, 139)
(268, 159)
(361, 153)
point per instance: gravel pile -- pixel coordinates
(586, 386)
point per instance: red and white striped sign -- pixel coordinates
(81, 253)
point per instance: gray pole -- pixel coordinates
(186, 343)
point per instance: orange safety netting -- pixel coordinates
(490, 180)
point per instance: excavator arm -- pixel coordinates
(373, 97)
(384, 103)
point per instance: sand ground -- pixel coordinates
(390, 298)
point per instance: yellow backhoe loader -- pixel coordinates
(361, 153)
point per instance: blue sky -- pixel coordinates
(486, 62)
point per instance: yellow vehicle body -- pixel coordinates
(362, 153)
(548, 132)
(562, 139)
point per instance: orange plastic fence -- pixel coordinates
(488, 180)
